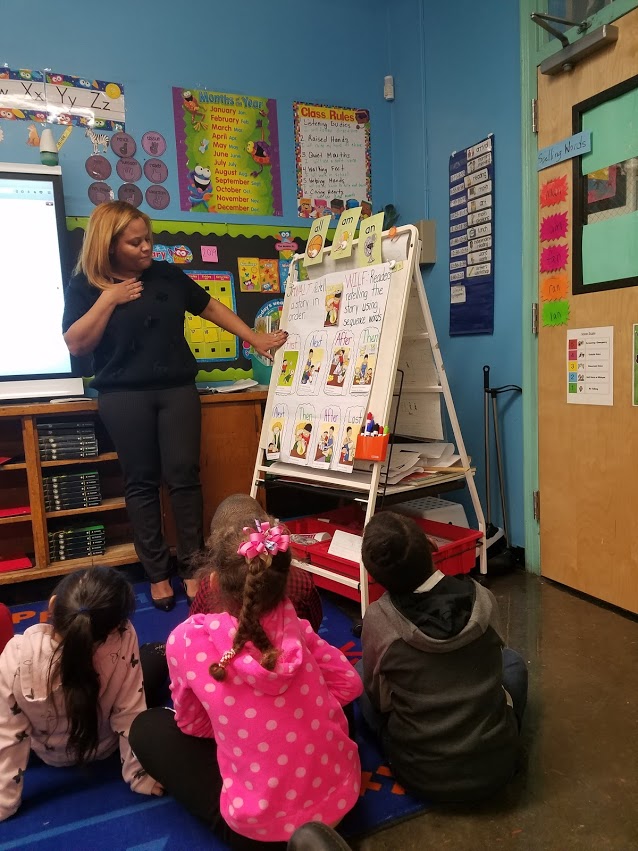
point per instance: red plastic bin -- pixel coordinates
(456, 555)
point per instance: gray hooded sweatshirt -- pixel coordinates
(448, 731)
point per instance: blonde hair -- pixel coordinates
(106, 224)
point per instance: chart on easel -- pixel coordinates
(361, 369)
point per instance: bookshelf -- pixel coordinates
(231, 424)
(21, 483)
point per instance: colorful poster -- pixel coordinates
(249, 276)
(332, 149)
(334, 365)
(471, 239)
(269, 276)
(207, 341)
(46, 96)
(590, 366)
(227, 153)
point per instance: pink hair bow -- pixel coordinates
(264, 541)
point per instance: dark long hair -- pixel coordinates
(89, 605)
(249, 588)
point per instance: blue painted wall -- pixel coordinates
(244, 47)
(457, 78)
(457, 75)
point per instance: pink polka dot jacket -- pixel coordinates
(282, 737)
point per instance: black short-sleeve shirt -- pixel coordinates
(143, 346)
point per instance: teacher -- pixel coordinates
(127, 310)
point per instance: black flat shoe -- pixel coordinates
(190, 599)
(164, 604)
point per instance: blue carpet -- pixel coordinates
(91, 808)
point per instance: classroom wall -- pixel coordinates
(457, 70)
(290, 51)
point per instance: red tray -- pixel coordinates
(457, 555)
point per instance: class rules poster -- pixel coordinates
(227, 153)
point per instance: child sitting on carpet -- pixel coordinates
(69, 689)
(259, 742)
(440, 690)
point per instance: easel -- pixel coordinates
(408, 357)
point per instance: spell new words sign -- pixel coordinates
(566, 149)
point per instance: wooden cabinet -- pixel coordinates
(231, 425)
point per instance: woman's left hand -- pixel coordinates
(264, 343)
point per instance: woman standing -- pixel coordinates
(127, 310)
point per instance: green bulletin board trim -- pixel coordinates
(206, 228)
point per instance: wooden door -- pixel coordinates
(588, 455)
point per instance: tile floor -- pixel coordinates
(580, 789)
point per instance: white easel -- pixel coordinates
(408, 342)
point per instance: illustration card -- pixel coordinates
(249, 276)
(276, 431)
(313, 364)
(328, 428)
(340, 360)
(301, 441)
(269, 276)
(343, 459)
(334, 296)
(342, 240)
(365, 360)
(288, 368)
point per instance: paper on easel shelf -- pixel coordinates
(242, 384)
(345, 545)
(432, 451)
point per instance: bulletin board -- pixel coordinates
(242, 266)
(472, 239)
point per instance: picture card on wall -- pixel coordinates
(344, 235)
(289, 366)
(328, 428)
(276, 431)
(316, 241)
(366, 360)
(301, 441)
(369, 245)
(338, 367)
(351, 427)
(312, 364)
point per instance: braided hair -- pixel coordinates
(250, 587)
